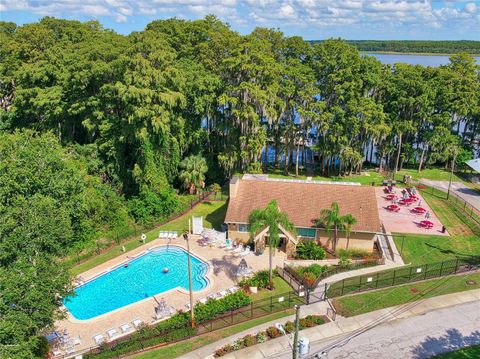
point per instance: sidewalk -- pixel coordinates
(352, 326)
(206, 351)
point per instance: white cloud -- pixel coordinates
(357, 14)
(471, 7)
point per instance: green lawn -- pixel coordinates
(363, 303)
(213, 215)
(463, 239)
(472, 352)
(366, 178)
(281, 286)
(437, 174)
(175, 350)
(368, 175)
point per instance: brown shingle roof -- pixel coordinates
(302, 202)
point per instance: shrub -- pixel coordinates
(352, 253)
(214, 307)
(289, 327)
(273, 332)
(260, 279)
(310, 250)
(249, 340)
(310, 278)
(261, 337)
(223, 351)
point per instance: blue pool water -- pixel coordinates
(142, 278)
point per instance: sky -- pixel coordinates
(311, 19)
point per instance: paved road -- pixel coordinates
(466, 193)
(416, 337)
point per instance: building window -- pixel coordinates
(243, 227)
(306, 232)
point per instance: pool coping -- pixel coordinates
(180, 289)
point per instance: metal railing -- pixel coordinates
(461, 204)
(402, 275)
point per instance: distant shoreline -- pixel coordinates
(410, 53)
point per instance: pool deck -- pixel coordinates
(221, 276)
(405, 221)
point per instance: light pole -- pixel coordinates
(450, 180)
(185, 236)
(297, 328)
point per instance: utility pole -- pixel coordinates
(450, 181)
(192, 316)
(297, 328)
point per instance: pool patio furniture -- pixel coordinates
(426, 224)
(405, 202)
(99, 339)
(202, 300)
(245, 252)
(222, 293)
(393, 208)
(126, 328)
(233, 289)
(419, 210)
(137, 323)
(112, 333)
(390, 197)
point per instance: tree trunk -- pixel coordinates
(335, 234)
(371, 153)
(297, 158)
(265, 169)
(398, 155)
(421, 157)
(270, 269)
(348, 240)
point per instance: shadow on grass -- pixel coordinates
(452, 340)
(448, 251)
(217, 217)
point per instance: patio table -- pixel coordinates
(405, 202)
(419, 210)
(390, 197)
(426, 224)
(393, 208)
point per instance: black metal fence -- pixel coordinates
(402, 275)
(148, 337)
(465, 207)
(117, 237)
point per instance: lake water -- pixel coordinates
(425, 60)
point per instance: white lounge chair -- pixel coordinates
(112, 333)
(99, 339)
(233, 289)
(202, 300)
(246, 252)
(77, 341)
(70, 350)
(125, 328)
(137, 323)
(238, 249)
(56, 352)
(212, 296)
(222, 293)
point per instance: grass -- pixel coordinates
(175, 350)
(366, 178)
(436, 174)
(367, 302)
(281, 286)
(472, 352)
(463, 239)
(213, 215)
(368, 175)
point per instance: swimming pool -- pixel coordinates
(142, 278)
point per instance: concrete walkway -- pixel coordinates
(412, 330)
(466, 193)
(206, 351)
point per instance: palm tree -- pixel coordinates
(272, 218)
(349, 221)
(193, 172)
(331, 219)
